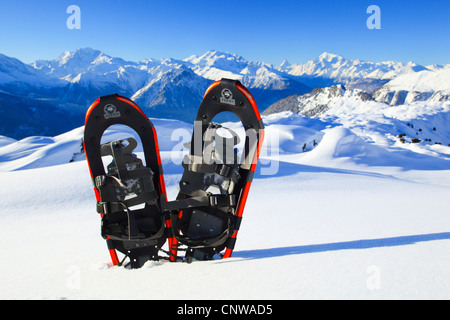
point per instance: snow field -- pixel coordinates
(346, 219)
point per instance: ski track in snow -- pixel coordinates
(346, 219)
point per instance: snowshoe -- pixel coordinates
(207, 213)
(128, 192)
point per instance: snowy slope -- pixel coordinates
(425, 85)
(310, 104)
(5, 141)
(424, 81)
(349, 217)
(13, 70)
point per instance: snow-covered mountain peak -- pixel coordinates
(330, 57)
(285, 64)
(80, 55)
(75, 60)
(218, 59)
(214, 65)
(70, 65)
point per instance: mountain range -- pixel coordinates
(425, 85)
(49, 97)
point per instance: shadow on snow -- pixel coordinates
(336, 246)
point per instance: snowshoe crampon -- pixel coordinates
(128, 192)
(206, 216)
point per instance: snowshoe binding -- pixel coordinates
(128, 193)
(206, 216)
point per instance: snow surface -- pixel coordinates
(356, 215)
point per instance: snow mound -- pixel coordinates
(342, 147)
(5, 141)
(342, 142)
(287, 133)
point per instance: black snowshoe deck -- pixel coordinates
(128, 193)
(207, 213)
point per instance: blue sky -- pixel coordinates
(262, 30)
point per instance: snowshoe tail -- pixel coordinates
(129, 194)
(207, 213)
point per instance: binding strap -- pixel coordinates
(196, 164)
(108, 185)
(117, 150)
(128, 183)
(212, 200)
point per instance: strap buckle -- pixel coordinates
(102, 207)
(213, 201)
(224, 170)
(100, 181)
